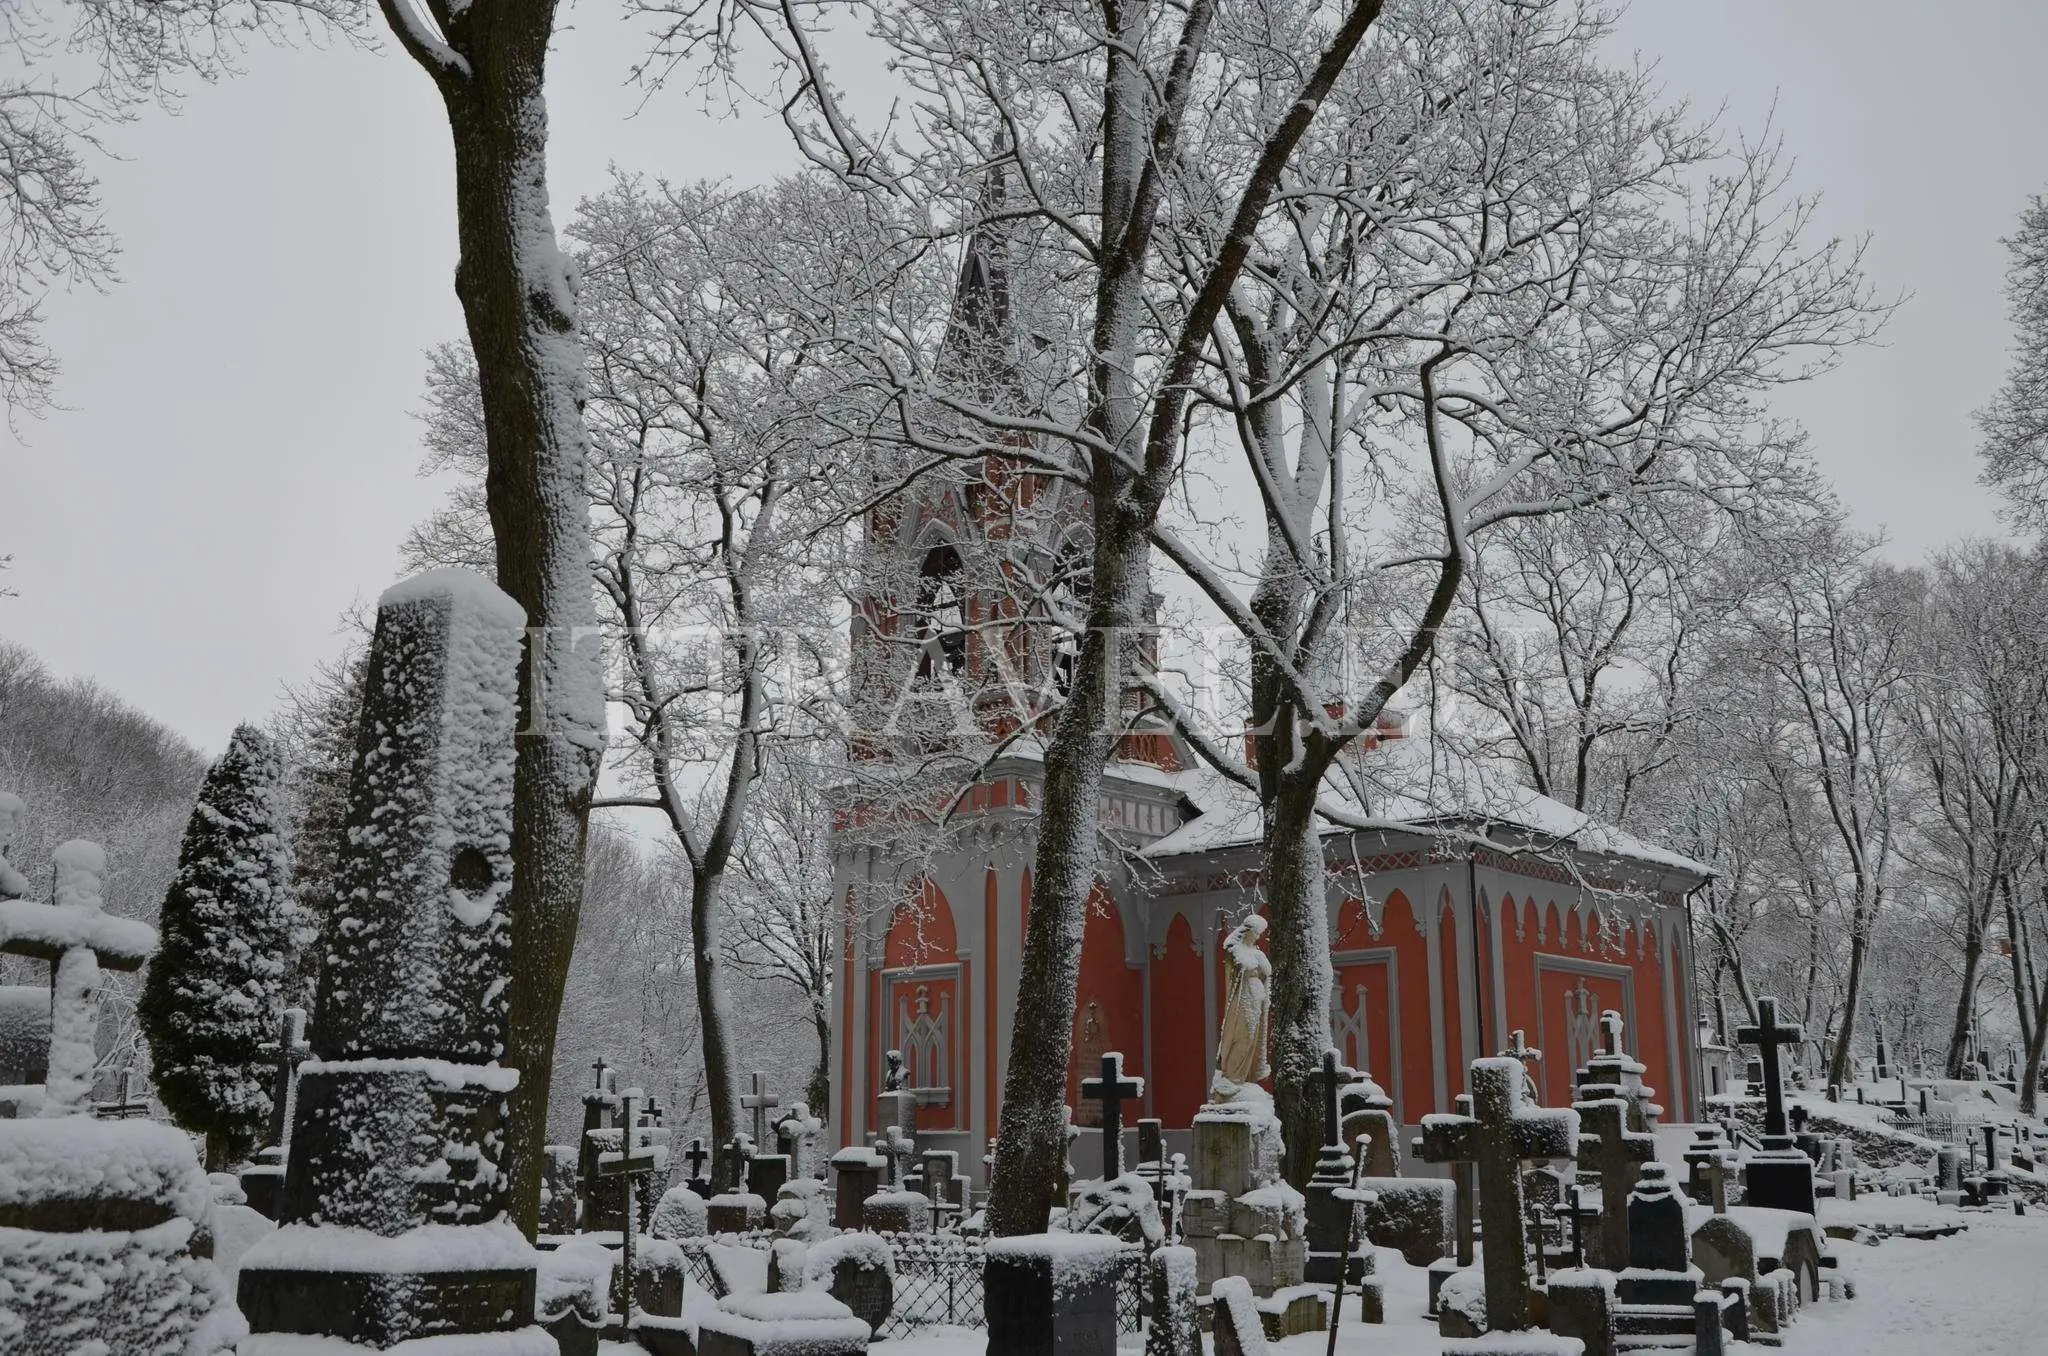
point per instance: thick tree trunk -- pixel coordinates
(1031, 1146)
(519, 306)
(1838, 1067)
(818, 1092)
(1966, 1001)
(1299, 944)
(721, 1079)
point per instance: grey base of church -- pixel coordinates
(382, 1309)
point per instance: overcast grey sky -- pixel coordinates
(234, 463)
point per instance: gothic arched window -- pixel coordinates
(942, 613)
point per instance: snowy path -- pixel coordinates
(1983, 1292)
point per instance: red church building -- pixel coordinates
(1482, 909)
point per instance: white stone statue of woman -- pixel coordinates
(1247, 1019)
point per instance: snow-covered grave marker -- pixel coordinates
(766, 1172)
(897, 1101)
(393, 1220)
(1330, 1210)
(696, 1155)
(98, 1219)
(640, 1153)
(1780, 1176)
(1614, 1153)
(78, 938)
(263, 1183)
(1502, 1131)
(1111, 1088)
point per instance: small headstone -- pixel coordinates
(1176, 1326)
(1238, 1329)
(857, 1174)
(1051, 1295)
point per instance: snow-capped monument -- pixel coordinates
(104, 1224)
(394, 1200)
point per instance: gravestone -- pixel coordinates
(1614, 1154)
(1613, 1072)
(1365, 1111)
(1051, 1295)
(1502, 1132)
(695, 1155)
(1110, 1089)
(857, 1174)
(897, 1101)
(401, 1111)
(1331, 1213)
(631, 1154)
(1779, 1177)
(1242, 1218)
(263, 1183)
(795, 1133)
(108, 1221)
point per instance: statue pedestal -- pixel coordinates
(1242, 1219)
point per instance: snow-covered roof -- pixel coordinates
(1407, 785)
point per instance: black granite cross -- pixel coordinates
(1767, 1035)
(1110, 1088)
(696, 1156)
(1330, 1080)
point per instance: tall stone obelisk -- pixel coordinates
(393, 1210)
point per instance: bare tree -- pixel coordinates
(1423, 335)
(2014, 425)
(1828, 646)
(718, 521)
(125, 54)
(1093, 120)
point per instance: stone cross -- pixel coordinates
(1767, 1035)
(1573, 1210)
(696, 1155)
(1329, 1080)
(898, 1148)
(79, 939)
(1110, 1088)
(1524, 1053)
(1502, 1131)
(1616, 1154)
(732, 1176)
(124, 1105)
(760, 1101)
(1330, 1209)
(636, 1157)
(289, 1048)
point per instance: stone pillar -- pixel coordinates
(400, 1115)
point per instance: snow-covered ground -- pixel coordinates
(1983, 1292)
